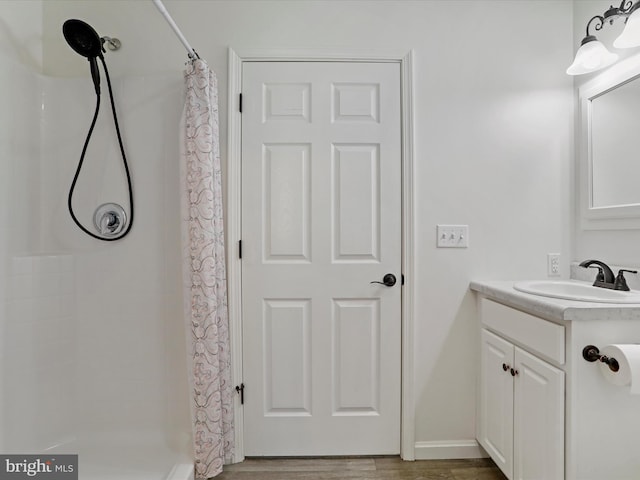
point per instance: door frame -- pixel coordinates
(233, 197)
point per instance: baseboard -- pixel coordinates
(449, 449)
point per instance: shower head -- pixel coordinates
(84, 40)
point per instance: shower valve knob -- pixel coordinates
(109, 219)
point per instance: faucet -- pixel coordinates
(605, 277)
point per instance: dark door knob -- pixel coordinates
(388, 280)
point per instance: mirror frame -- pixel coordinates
(610, 217)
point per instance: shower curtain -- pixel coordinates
(205, 291)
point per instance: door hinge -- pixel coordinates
(240, 391)
(240, 103)
(239, 248)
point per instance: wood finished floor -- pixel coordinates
(375, 468)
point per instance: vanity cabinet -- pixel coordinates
(521, 394)
(558, 418)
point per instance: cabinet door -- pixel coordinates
(538, 419)
(495, 427)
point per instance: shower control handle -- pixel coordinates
(109, 223)
(109, 219)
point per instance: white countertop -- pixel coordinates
(554, 309)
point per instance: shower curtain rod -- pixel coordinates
(161, 8)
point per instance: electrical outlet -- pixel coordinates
(553, 264)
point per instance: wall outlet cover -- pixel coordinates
(553, 264)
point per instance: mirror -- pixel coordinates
(610, 148)
(615, 142)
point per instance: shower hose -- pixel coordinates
(82, 157)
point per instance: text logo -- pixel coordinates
(53, 467)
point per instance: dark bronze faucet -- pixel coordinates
(605, 277)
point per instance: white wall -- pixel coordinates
(131, 360)
(19, 179)
(91, 334)
(21, 32)
(615, 247)
(494, 138)
(30, 335)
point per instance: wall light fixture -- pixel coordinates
(592, 54)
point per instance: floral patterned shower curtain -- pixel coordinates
(205, 290)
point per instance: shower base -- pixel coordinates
(128, 457)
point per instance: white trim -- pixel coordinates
(234, 231)
(318, 55)
(234, 204)
(615, 217)
(449, 450)
(407, 431)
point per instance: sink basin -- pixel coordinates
(575, 290)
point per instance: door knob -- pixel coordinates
(388, 280)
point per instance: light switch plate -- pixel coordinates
(452, 236)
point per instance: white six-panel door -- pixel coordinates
(321, 219)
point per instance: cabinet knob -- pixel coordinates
(514, 372)
(505, 367)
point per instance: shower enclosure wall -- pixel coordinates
(92, 338)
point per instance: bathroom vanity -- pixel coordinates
(544, 412)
